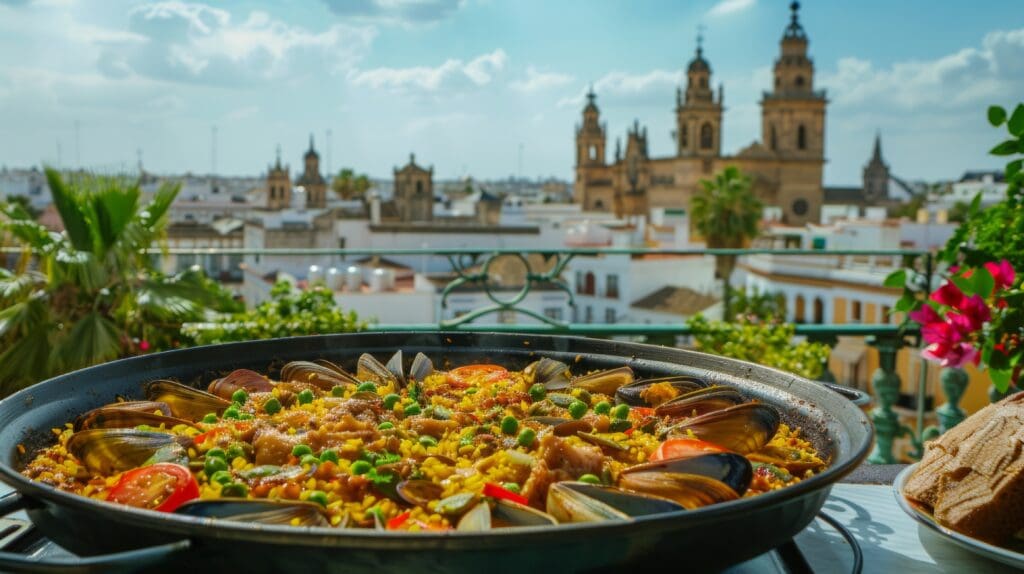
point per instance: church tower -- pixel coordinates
(631, 196)
(279, 185)
(311, 180)
(414, 192)
(590, 137)
(876, 175)
(699, 113)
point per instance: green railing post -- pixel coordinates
(886, 386)
(954, 383)
(830, 339)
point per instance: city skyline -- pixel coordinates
(438, 78)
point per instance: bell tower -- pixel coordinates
(279, 185)
(698, 113)
(311, 180)
(590, 137)
(876, 175)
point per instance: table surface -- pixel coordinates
(864, 503)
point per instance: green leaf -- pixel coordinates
(1000, 378)
(1016, 123)
(905, 303)
(92, 339)
(1008, 147)
(983, 282)
(996, 115)
(963, 283)
(114, 205)
(1013, 168)
(72, 213)
(896, 279)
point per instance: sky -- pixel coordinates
(487, 88)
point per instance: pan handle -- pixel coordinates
(120, 561)
(856, 396)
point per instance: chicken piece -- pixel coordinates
(560, 460)
(272, 446)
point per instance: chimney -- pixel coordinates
(374, 209)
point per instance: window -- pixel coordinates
(706, 136)
(598, 204)
(419, 187)
(609, 316)
(588, 314)
(684, 137)
(593, 152)
(611, 289)
(855, 312)
(774, 139)
(819, 311)
(703, 82)
(799, 309)
(886, 311)
(553, 313)
(799, 81)
(579, 282)
(589, 285)
(800, 207)
(801, 137)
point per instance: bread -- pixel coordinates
(973, 476)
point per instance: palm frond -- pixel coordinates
(91, 340)
(30, 233)
(23, 318)
(14, 285)
(26, 361)
(78, 268)
(72, 211)
(115, 205)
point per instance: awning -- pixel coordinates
(849, 350)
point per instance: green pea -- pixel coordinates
(538, 392)
(245, 417)
(318, 496)
(385, 426)
(239, 396)
(234, 451)
(511, 487)
(301, 450)
(391, 400)
(577, 409)
(213, 464)
(603, 408)
(621, 412)
(309, 459)
(337, 391)
(526, 437)
(509, 425)
(272, 407)
(221, 477)
(620, 425)
(360, 467)
(231, 412)
(367, 386)
(441, 413)
(590, 479)
(428, 441)
(216, 452)
(305, 397)
(329, 455)
(210, 418)
(235, 489)
(471, 391)
(413, 409)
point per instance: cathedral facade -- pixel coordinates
(785, 165)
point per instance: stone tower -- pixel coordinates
(632, 199)
(793, 123)
(590, 137)
(698, 113)
(876, 175)
(279, 185)
(311, 180)
(414, 192)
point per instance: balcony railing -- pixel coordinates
(472, 268)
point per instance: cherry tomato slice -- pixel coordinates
(496, 491)
(162, 487)
(493, 372)
(684, 448)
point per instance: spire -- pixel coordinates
(278, 164)
(794, 30)
(590, 94)
(700, 41)
(311, 141)
(876, 156)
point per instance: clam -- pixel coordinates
(419, 492)
(370, 369)
(476, 519)
(240, 379)
(184, 401)
(324, 374)
(107, 451)
(731, 470)
(421, 368)
(583, 502)
(257, 511)
(129, 415)
(699, 402)
(655, 391)
(554, 375)
(604, 382)
(743, 428)
(456, 504)
(508, 514)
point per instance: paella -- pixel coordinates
(425, 449)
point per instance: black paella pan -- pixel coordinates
(119, 537)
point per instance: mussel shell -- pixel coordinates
(184, 401)
(605, 382)
(554, 375)
(107, 451)
(244, 379)
(628, 502)
(510, 514)
(728, 468)
(476, 519)
(419, 492)
(562, 426)
(273, 472)
(394, 366)
(787, 458)
(324, 377)
(688, 490)
(743, 428)
(567, 505)
(602, 441)
(631, 394)
(257, 511)
(421, 368)
(141, 406)
(699, 402)
(370, 369)
(117, 416)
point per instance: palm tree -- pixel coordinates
(347, 184)
(91, 294)
(726, 214)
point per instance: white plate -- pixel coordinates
(998, 553)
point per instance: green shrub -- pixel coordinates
(768, 344)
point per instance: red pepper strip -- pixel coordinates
(496, 491)
(642, 411)
(399, 520)
(628, 431)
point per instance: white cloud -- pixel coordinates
(726, 7)
(623, 86)
(241, 113)
(452, 74)
(536, 81)
(193, 42)
(406, 12)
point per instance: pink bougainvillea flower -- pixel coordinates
(941, 333)
(144, 345)
(948, 294)
(1002, 272)
(952, 356)
(925, 315)
(974, 310)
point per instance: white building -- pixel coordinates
(990, 184)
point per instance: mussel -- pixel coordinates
(324, 374)
(732, 470)
(129, 415)
(419, 492)
(743, 428)
(699, 402)
(421, 368)
(240, 379)
(554, 375)
(184, 401)
(257, 511)
(792, 460)
(394, 366)
(604, 382)
(655, 391)
(562, 426)
(107, 451)
(583, 502)
(370, 369)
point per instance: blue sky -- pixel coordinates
(466, 84)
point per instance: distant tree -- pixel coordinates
(910, 208)
(753, 306)
(26, 204)
(958, 213)
(726, 214)
(349, 185)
